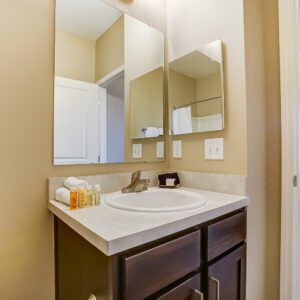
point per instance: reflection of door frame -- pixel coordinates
(102, 122)
(290, 214)
(103, 83)
(105, 80)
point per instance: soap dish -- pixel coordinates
(168, 186)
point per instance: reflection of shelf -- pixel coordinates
(198, 101)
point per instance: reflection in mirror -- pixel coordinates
(196, 91)
(146, 105)
(108, 69)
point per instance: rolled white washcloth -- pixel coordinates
(63, 195)
(75, 182)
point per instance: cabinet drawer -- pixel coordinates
(225, 234)
(187, 290)
(147, 272)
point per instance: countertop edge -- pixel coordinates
(122, 244)
(100, 243)
(113, 247)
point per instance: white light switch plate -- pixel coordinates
(177, 149)
(160, 150)
(137, 151)
(214, 149)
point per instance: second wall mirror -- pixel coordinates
(196, 91)
(109, 78)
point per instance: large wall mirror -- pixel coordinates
(196, 92)
(109, 79)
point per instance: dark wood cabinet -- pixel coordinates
(148, 271)
(189, 289)
(207, 262)
(227, 276)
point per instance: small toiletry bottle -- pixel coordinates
(73, 198)
(81, 195)
(97, 194)
(89, 196)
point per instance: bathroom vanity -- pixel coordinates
(117, 254)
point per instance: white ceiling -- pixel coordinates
(195, 65)
(88, 18)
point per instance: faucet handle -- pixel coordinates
(136, 175)
(146, 184)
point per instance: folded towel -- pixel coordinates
(153, 132)
(63, 195)
(75, 182)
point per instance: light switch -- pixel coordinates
(214, 149)
(160, 150)
(137, 151)
(177, 149)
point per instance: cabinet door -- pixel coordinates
(227, 277)
(189, 289)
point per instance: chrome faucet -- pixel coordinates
(137, 184)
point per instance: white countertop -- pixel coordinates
(112, 231)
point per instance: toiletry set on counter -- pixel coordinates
(78, 193)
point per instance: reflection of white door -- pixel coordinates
(75, 122)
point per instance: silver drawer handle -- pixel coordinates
(198, 293)
(218, 286)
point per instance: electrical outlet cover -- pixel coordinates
(160, 150)
(137, 151)
(177, 149)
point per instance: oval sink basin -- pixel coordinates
(156, 200)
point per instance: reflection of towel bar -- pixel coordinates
(198, 101)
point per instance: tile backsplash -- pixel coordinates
(215, 182)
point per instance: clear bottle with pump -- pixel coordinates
(89, 196)
(97, 194)
(81, 195)
(73, 198)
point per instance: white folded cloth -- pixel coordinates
(153, 132)
(63, 195)
(75, 182)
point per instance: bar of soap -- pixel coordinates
(170, 181)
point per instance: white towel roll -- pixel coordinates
(75, 182)
(63, 195)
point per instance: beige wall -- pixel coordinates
(110, 49)
(26, 122)
(208, 87)
(256, 124)
(74, 56)
(182, 89)
(184, 39)
(146, 103)
(273, 147)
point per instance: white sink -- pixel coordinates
(156, 200)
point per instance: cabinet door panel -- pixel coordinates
(190, 289)
(227, 277)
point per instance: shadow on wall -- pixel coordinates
(126, 1)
